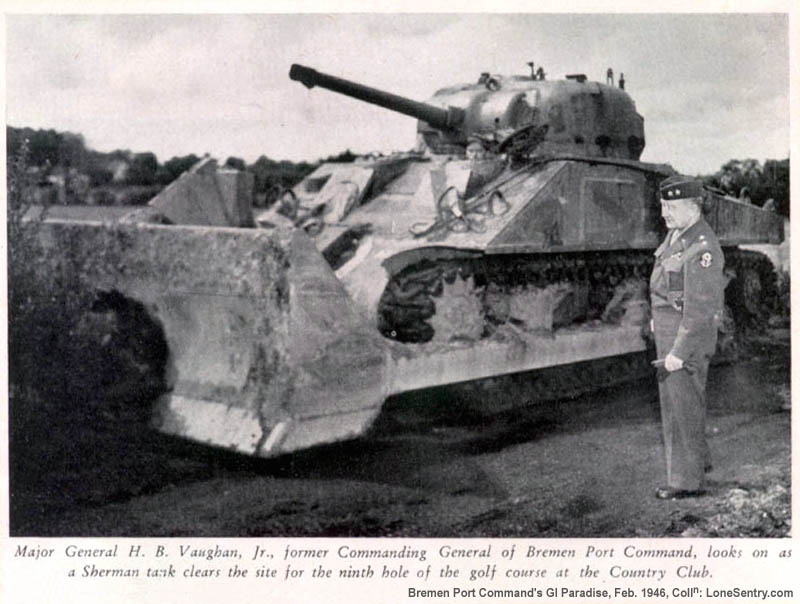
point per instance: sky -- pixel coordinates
(710, 87)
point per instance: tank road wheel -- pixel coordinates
(751, 294)
(459, 311)
(727, 344)
(751, 290)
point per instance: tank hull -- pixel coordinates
(271, 350)
(519, 236)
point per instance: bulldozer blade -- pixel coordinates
(267, 352)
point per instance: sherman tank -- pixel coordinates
(517, 235)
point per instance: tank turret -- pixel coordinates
(544, 117)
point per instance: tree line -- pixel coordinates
(49, 151)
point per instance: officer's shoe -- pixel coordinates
(673, 493)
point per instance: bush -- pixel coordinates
(54, 343)
(38, 327)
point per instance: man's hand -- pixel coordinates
(672, 363)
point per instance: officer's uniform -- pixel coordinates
(686, 295)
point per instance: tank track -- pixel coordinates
(483, 402)
(413, 297)
(562, 382)
(411, 301)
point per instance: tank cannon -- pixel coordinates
(445, 119)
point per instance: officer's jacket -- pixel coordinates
(687, 278)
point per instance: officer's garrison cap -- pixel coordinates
(681, 187)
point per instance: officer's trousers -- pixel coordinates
(683, 405)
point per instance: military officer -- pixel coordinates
(686, 296)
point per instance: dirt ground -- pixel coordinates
(432, 467)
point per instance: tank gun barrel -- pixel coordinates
(443, 119)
